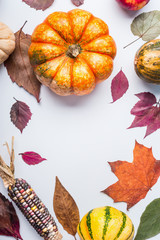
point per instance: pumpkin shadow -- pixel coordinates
(129, 13)
(152, 88)
(1, 66)
(71, 100)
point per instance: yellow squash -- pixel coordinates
(105, 223)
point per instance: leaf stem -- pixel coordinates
(132, 42)
(75, 238)
(23, 25)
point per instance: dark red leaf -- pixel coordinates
(147, 113)
(39, 4)
(147, 99)
(9, 222)
(77, 3)
(145, 118)
(31, 158)
(20, 114)
(119, 85)
(154, 125)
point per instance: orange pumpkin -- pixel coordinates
(72, 52)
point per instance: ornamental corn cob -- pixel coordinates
(33, 209)
(28, 202)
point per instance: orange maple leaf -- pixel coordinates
(136, 178)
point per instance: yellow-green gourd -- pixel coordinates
(105, 223)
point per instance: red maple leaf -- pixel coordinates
(147, 113)
(136, 178)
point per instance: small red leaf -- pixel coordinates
(31, 158)
(39, 4)
(119, 85)
(9, 222)
(20, 115)
(77, 3)
(147, 113)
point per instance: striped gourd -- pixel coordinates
(147, 62)
(105, 223)
(27, 201)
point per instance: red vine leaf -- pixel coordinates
(19, 67)
(39, 4)
(31, 158)
(134, 179)
(147, 113)
(20, 114)
(65, 208)
(9, 222)
(119, 85)
(77, 3)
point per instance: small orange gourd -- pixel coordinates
(72, 52)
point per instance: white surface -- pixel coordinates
(77, 135)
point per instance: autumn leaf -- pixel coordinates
(147, 113)
(150, 221)
(19, 67)
(146, 26)
(77, 3)
(65, 208)
(9, 222)
(119, 85)
(32, 158)
(39, 4)
(20, 114)
(136, 178)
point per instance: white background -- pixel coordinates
(77, 135)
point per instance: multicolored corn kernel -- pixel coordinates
(34, 210)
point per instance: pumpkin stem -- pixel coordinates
(132, 42)
(73, 51)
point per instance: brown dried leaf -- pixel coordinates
(65, 208)
(19, 67)
(6, 173)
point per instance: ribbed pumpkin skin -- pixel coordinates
(105, 223)
(147, 62)
(62, 72)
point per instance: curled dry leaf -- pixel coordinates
(31, 158)
(9, 222)
(20, 114)
(19, 67)
(39, 4)
(65, 208)
(147, 113)
(119, 85)
(77, 3)
(150, 221)
(136, 178)
(146, 26)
